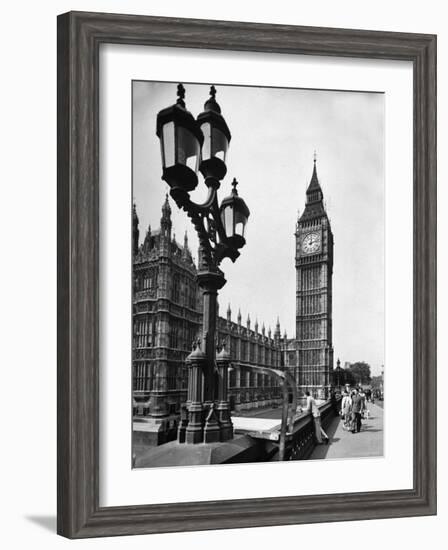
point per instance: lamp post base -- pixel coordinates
(212, 434)
(194, 432)
(212, 429)
(225, 421)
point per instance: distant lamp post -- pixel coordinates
(189, 145)
(338, 374)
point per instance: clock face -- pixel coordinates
(311, 243)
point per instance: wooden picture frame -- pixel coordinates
(79, 38)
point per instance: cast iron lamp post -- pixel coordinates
(189, 145)
(338, 375)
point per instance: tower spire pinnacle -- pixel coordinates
(314, 206)
(314, 183)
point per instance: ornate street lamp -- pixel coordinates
(181, 140)
(234, 216)
(188, 145)
(216, 139)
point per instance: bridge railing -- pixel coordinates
(289, 404)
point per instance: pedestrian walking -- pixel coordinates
(365, 410)
(314, 410)
(346, 410)
(357, 408)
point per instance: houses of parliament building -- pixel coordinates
(167, 318)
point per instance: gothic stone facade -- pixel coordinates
(248, 389)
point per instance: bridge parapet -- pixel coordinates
(298, 441)
(301, 441)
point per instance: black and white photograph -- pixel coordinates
(223, 238)
(258, 274)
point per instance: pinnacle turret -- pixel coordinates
(186, 250)
(166, 208)
(165, 220)
(277, 333)
(229, 313)
(135, 230)
(147, 242)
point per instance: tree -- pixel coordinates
(349, 378)
(360, 372)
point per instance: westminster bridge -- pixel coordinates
(286, 432)
(263, 434)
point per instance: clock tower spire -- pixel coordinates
(314, 269)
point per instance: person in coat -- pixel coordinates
(357, 408)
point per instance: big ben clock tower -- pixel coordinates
(314, 267)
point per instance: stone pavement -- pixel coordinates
(343, 444)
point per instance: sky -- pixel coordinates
(275, 132)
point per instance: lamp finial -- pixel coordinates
(180, 94)
(211, 103)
